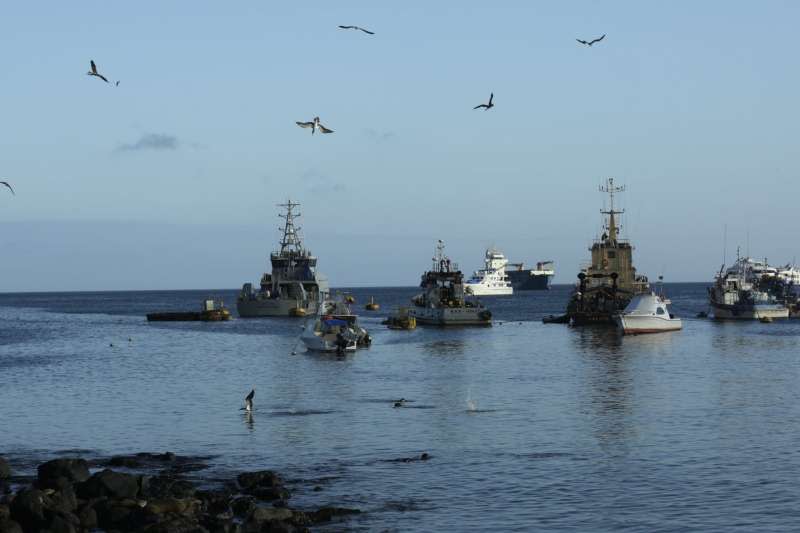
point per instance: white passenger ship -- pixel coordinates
(491, 280)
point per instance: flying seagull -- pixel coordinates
(94, 72)
(486, 106)
(357, 28)
(116, 84)
(9, 187)
(314, 125)
(248, 401)
(590, 43)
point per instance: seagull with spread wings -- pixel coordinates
(590, 43)
(488, 106)
(10, 188)
(357, 28)
(94, 72)
(314, 125)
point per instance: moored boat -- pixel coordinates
(293, 287)
(443, 301)
(400, 320)
(212, 311)
(647, 313)
(745, 292)
(335, 329)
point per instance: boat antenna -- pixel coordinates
(291, 240)
(725, 244)
(612, 227)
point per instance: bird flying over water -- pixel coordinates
(314, 125)
(486, 106)
(10, 188)
(590, 43)
(248, 401)
(357, 28)
(94, 72)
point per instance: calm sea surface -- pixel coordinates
(530, 426)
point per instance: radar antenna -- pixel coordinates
(612, 227)
(291, 240)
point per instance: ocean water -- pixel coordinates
(529, 426)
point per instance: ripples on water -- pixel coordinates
(529, 426)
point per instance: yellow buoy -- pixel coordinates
(297, 311)
(372, 306)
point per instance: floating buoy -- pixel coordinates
(372, 306)
(297, 311)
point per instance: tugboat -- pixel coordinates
(444, 301)
(491, 280)
(294, 287)
(335, 329)
(609, 283)
(746, 291)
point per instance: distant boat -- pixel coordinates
(748, 291)
(647, 313)
(491, 280)
(212, 311)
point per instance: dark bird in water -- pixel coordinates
(314, 125)
(486, 106)
(248, 401)
(590, 43)
(357, 28)
(400, 403)
(10, 188)
(94, 72)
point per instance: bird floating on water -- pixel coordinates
(590, 43)
(314, 125)
(400, 403)
(10, 188)
(248, 401)
(486, 106)
(94, 72)
(357, 28)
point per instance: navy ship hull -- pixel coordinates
(526, 280)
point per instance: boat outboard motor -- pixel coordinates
(341, 344)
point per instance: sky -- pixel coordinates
(171, 179)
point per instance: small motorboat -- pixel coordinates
(400, 320)
(647, 313)
(335, 329)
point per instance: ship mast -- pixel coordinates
(612, 227)
(291, 237)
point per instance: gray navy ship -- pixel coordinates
(527, 279)
(293, 287)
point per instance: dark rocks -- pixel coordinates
(264, 485)
(5, 470)
(110, 484)
(9, 526)
(58, 473)
(65, 498)
(27, 508)
(166, 487)
(326, 514)
(243, 506)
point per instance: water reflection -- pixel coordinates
(445, 347)
(608, 386)
(248, 420)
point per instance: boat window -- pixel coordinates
(612, 254)
(660, 311)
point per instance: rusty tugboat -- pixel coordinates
(608, 284)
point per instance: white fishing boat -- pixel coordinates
(647, 313)
(335, 329)
(491, 280)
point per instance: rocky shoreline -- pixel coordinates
(148, 492)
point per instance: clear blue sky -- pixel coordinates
(171, 179)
